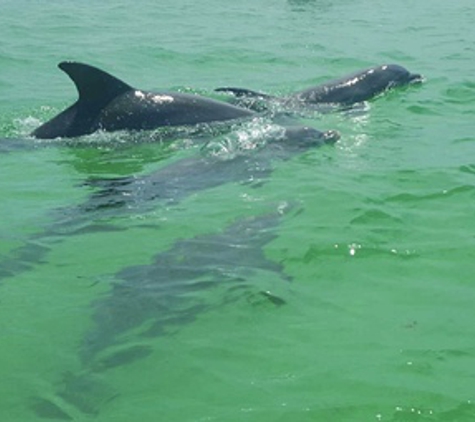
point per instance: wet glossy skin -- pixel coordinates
(107, 103)
(347, 90)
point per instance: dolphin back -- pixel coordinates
(359, 86)
(345, 91)
(105, 102)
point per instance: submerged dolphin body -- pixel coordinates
(161, 293)
(182, 178)
(107, 103)
(169, 184)
(350, 89)
(147, 301)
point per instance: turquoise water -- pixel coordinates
(377, 323)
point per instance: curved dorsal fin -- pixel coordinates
(94, 84)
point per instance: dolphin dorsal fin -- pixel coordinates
(93, 84)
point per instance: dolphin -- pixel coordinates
(345, 91)
(109, 104)
(175, 182)
(169, 184)
(161, 290)
(156, 299)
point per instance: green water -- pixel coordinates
(378, 320)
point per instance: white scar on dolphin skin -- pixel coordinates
(349, 83)
(156, 98)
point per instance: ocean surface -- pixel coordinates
(339, 287)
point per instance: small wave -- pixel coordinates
(243, 138)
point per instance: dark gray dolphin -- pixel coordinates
(353, 88)
(168, 185)
(157, 298)
(109, 104)
(160, 291)
(175, 182)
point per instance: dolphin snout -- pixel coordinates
(416, 78)
(331, 136)
(306, 136)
